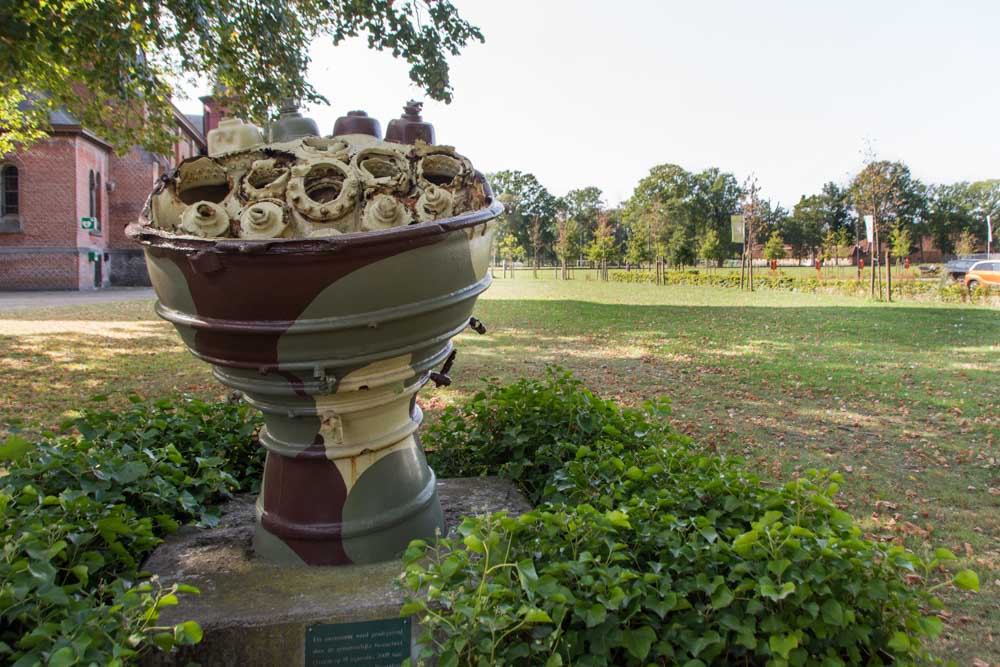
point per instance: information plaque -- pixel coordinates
(382, 643)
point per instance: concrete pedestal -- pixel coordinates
(257, 613)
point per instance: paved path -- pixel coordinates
(14, 300)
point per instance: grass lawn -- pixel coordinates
(904, 399)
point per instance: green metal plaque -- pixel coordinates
(382, 643)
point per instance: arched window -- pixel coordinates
(93, 197)
(9, 203)
(97, 198)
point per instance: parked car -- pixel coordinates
(957, 268)
(983, 273)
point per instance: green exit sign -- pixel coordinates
(88, 222)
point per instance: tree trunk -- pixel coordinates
(888, 276)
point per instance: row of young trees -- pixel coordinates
(677, 217)
(576, 226)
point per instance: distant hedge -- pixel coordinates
(909, 289)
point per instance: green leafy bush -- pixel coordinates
(81, 512)
(644, 550)
(526, 430)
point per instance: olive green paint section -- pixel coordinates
(394, 304)
(271, 548)
(171, 290)
(392, 487)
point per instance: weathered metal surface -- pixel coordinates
(293, 125)
(410, 127)
(357, 122)
(331, 337)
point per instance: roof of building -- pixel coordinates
(62, 121)
(197, 120)
(193, 123)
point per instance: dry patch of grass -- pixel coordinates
(54, 362)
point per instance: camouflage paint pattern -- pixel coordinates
(331, 338)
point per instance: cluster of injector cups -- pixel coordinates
(324, 279)
(313, 187)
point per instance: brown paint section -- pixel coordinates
(309, 523)
(268, 288)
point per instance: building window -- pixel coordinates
(9, 204)
(10, 200)
(95, 200)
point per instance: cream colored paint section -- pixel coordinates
(377, 374)
(361, 426)
(331, 427)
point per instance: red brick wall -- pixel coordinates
(47, 179)
(213, 113)
(39, 271)
(51, 250)
(46, 244)
(134, 175)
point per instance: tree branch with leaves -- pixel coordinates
(114, 65)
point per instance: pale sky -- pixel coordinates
(596, 93)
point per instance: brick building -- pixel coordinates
(49, 187)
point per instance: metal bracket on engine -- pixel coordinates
(440, 378)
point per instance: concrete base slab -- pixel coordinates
(257, 613)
